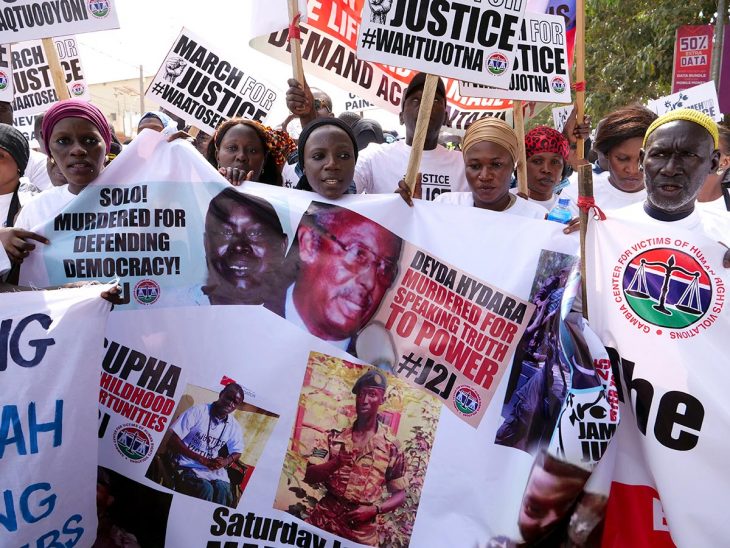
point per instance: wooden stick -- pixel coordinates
(585, 188)
(193, 131)
(519, 119)
(580, 71)
(585, 175)
(419, 136)
(57, 72)
(295, 45)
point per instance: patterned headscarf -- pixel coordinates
(278, 142)
(546, 139)
(164, 119)
(75, 108)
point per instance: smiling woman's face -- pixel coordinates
(79, 150)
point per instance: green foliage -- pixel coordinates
(630, 48)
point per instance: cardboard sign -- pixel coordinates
(540, 71)
(31, 19)
(31, 86)
(702, 98)
(205, 88)
(692, 56)
(465, 39)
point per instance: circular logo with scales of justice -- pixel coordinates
(667, 288)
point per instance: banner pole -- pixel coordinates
(519, 119)
(419, 136)
(295, 43)
(585, 175)
(57, 73)
(580, 71)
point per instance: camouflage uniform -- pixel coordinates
(357, 482)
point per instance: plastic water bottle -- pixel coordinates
(560, 212)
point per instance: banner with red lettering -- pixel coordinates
(289, 370)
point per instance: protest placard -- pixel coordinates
(329, 42)
(443, 326)
(463, 40)
(205, 88)
(49, 343)
(663, 325)
(31, 84)
(560, 116)
(6, 80)
(702, 98)
(33, 19)
(692, 56)
(540, 71)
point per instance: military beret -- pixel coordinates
(372, 378)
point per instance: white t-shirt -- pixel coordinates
(36, 171)
(26, 192)
(715, 226)
(206, 436)
(605, 194)
(716, 206)
(521, 207)
(44, 207)
(380, 167)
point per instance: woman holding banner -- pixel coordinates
(77, 138)
(327, 157)
(491, 155)
(246, 150)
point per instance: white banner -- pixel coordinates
(278, 291)
(50, 343)
(206, 89)
(466, 40)
(31, 84)
(22, 20)
(658, 303)
(702, 98)
(541, 71)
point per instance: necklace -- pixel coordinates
(209, 450)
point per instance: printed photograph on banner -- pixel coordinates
(130, 514)
(359, 451)
(204, 87)
(33, 88)
(541, 373)
(213, 444)
(540, 71)
(550, 497)
(245, 249)
(429, 36)
(343, 264)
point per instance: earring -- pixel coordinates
(53, 162)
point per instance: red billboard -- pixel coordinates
(692, 56)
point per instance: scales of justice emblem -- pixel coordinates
(667, 287)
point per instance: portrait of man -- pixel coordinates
(358, 463)
(196, 440)
(552, 490)
(244, 246)
(345, 264)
